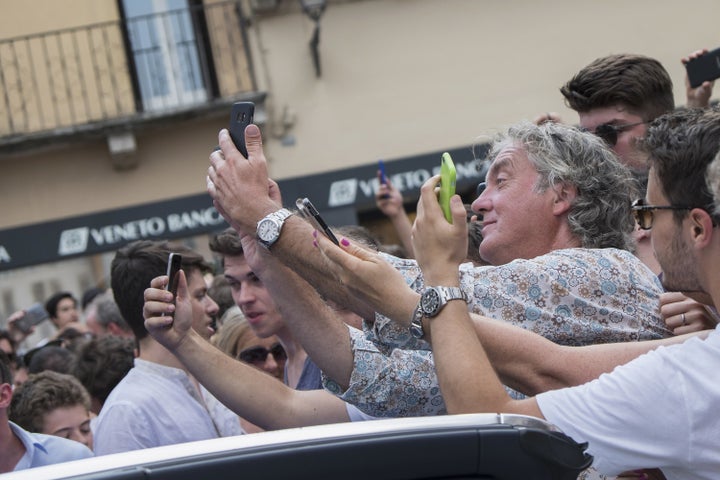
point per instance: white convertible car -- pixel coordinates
(481, 446)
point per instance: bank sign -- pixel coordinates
(337, 194)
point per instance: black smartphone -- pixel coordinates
(703, 68)
(173, 267)
(34, 315)
(241, 116)
(310, 213)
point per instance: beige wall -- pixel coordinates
(400, 77)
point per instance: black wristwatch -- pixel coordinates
(432, 300)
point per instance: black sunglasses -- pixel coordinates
(481, 188)
(609, 132)
(644, 213)
(259, 354)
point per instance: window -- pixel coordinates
(165, 53)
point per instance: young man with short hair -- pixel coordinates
(158, 402)
(20, 449)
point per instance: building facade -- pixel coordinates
(110, 108)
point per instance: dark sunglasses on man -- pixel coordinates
(644, 213)
(609, 132)
(256, 355)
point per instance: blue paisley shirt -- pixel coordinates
(574, 296)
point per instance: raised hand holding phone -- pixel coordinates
(34, 315)
(173, 267)
(241, 115)
(447, 185)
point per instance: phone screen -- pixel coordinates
(447, 184)
(311, 214)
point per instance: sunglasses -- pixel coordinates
(259, 354)
(644, 213)
(609, 132)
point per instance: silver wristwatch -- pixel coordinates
(268, 229)
(432, 300)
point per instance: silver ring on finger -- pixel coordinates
(683, 320)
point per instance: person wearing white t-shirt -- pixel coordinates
(657, 411)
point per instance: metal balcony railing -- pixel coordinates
(98, 76)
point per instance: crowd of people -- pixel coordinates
(579, 287)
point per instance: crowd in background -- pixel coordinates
(552, 245)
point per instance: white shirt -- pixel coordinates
(661, 410)
(156, 405)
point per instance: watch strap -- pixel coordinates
(278, 217)
(445, 295)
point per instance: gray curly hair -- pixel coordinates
(713, 181)
(601, 214)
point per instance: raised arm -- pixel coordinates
(240, 189)
(252, 394)
(312, 322)
(390, 202)
(467, 379)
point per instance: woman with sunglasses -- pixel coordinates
(238, 340)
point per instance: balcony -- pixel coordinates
(117, 76)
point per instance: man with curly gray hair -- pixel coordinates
(556, 228)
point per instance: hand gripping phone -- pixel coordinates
(173, 267)
(447, 184)
(703, 68)
(34, 315)
(241, 116)
(309, 212)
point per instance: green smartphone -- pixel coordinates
(447, 184)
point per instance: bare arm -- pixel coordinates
(250, 393)
(312, 322)
(532, 364)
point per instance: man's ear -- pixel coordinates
(5, 395)
(564, 197)
(702, 227)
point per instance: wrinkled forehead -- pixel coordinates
(511, 158)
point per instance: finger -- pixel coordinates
(457, 209)
(428, 202)
(210, 187)
(253, 140)
(182, 289)
(227, 147)
(346, 256)
(671, 297)
(153, 309)
(274, 191)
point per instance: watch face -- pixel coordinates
(430, 302)
(267, 230)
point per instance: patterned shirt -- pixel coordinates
(574, 296)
